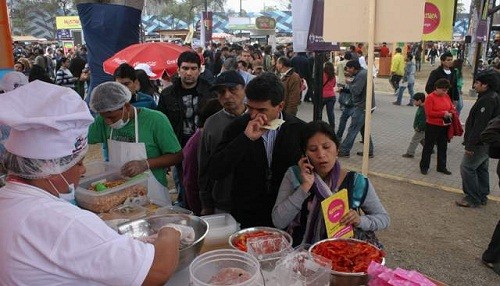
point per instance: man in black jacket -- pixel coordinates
(474, 167)
(445, 70)
(256, 155)
(181, 103)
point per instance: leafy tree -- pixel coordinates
(186, 10)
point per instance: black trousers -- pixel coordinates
(492, 254)
(435, 135)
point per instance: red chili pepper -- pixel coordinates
(349, 256)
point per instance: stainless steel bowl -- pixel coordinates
(347, 278)
(150, 225)
(252, 229)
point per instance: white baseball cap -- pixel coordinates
(47, 121)
(13, 80)
(146, 68)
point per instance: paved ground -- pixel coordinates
(392, 129)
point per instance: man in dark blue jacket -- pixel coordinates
(257, 155)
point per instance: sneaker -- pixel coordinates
(466, 204)
(424, 171)
(344, 155)
(444, 171)
(396, 103)
(409, 104)
(361, 154)
(406, 155)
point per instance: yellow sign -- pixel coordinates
(68, 22)
(438, 20)
(334, 208)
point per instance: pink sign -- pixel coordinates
(336, 211)
(432, 18)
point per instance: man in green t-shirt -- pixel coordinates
(138, 138)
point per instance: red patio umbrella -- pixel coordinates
(159, 56)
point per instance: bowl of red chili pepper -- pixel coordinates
(238, 240)
(349, 257)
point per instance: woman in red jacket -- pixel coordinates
(329, 98)
(438, 107)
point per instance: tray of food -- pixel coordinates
(348, 255)
(107, 191)
(239, 239)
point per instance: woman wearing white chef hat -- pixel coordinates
(44, 239)
(138, 139)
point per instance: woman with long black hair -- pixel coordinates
(329, 97)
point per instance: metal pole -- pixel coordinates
(318, 85)
(369, 85)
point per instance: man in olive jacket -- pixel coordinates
(257, 156)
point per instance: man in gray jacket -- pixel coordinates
(357, 88)
(215, 196)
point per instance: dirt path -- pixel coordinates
(430, 234)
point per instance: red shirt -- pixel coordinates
(328, 86)
(435, 108)
(384, 51)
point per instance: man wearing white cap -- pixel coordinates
(44, 238)
(138, 139)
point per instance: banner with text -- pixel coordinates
(438, 20)
(68, 22)
(301, 11)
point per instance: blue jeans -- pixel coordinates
(357, 122)
(460, 103)
(401, 90)
(346, 114)
(475, 175)
(330, 104)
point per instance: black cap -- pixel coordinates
(228, 78)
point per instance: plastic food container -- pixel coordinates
(215, 264)
(268, 250)
(301, 268)
(172, 210)
(129, 212)
(96, 169)
(221, 226)
(233, 239)
(105, 200)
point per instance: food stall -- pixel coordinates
(221, 253)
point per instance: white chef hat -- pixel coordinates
(146, 68)
(48, 123)
(13, 80)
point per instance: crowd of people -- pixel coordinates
(225, 124)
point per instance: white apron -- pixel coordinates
(123, 152)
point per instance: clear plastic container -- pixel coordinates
(172, 210)
(221, 226)
(268, 250)
(105, 200)
(302, 268)
(129, 212)
(97, 168)
(226, 265)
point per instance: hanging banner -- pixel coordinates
(482, 25)
(438, 20)
(347, 20)
(207, 28)
(315, 40)
(301, 11)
